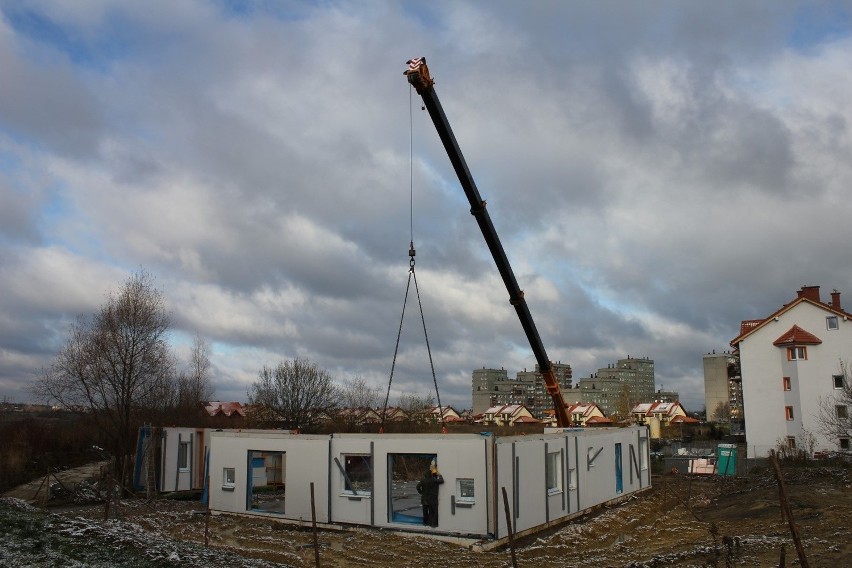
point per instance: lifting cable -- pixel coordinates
(412, 276)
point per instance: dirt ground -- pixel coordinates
(681, 521)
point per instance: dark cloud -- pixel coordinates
(656, 173)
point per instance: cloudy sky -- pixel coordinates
(657, 172)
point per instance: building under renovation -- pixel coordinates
(370, 480)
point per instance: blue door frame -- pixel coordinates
(619, 478)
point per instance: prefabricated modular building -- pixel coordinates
(370, 480)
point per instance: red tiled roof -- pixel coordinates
(216, 408)
(526, 420)
(748, 325)
(598, 420)
(684, 419)
(797, 336)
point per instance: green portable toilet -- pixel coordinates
(726, 459)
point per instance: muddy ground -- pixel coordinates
(681, 521)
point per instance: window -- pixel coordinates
(841, 411)
(791, 442)
(357, 472)
(572, 479)
(844, 443)
(228, 478)
(831, 323)
(553, 473)
(838, 381)
(183, 456)
(786, 382)
(797, 353)
(788, 412)
(464, 491)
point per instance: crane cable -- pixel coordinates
(412, 275)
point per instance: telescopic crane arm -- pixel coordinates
(418, 76)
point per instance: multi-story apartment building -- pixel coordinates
(666, 396)
(619, 387)
(493, 387)
(538, 401)
(723, 389)
(791, 364)
(602, 391)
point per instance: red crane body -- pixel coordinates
(418, 76)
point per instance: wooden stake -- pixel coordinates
(44, 482)
(207, 515)
(314, 522)
(108, 496)
(787, 512)
(509, 528)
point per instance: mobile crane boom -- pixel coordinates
(418, 76)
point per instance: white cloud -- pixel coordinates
(654, 179)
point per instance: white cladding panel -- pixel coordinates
(172, 477)
(589, 454)
(305, 461)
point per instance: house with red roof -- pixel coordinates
(658, 415)
(215, 408)
(508, 415)
(444, 414)
(791, 364)
(587, 414)
(360, 416)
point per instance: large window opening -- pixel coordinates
(357, 473)
(405, 471)
(267, 480)
(183, 456)
(553, 472)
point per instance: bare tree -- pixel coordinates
(722, 412)
(193, 384)
(625, 402)
(357, 393)
(416, 406)
(835, 412)
(114, 365)
(295, 394)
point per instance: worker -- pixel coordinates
(428, 489)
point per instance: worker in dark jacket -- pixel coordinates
(428, 489)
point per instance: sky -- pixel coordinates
(657, 172)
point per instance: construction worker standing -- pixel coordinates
(428, 489)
